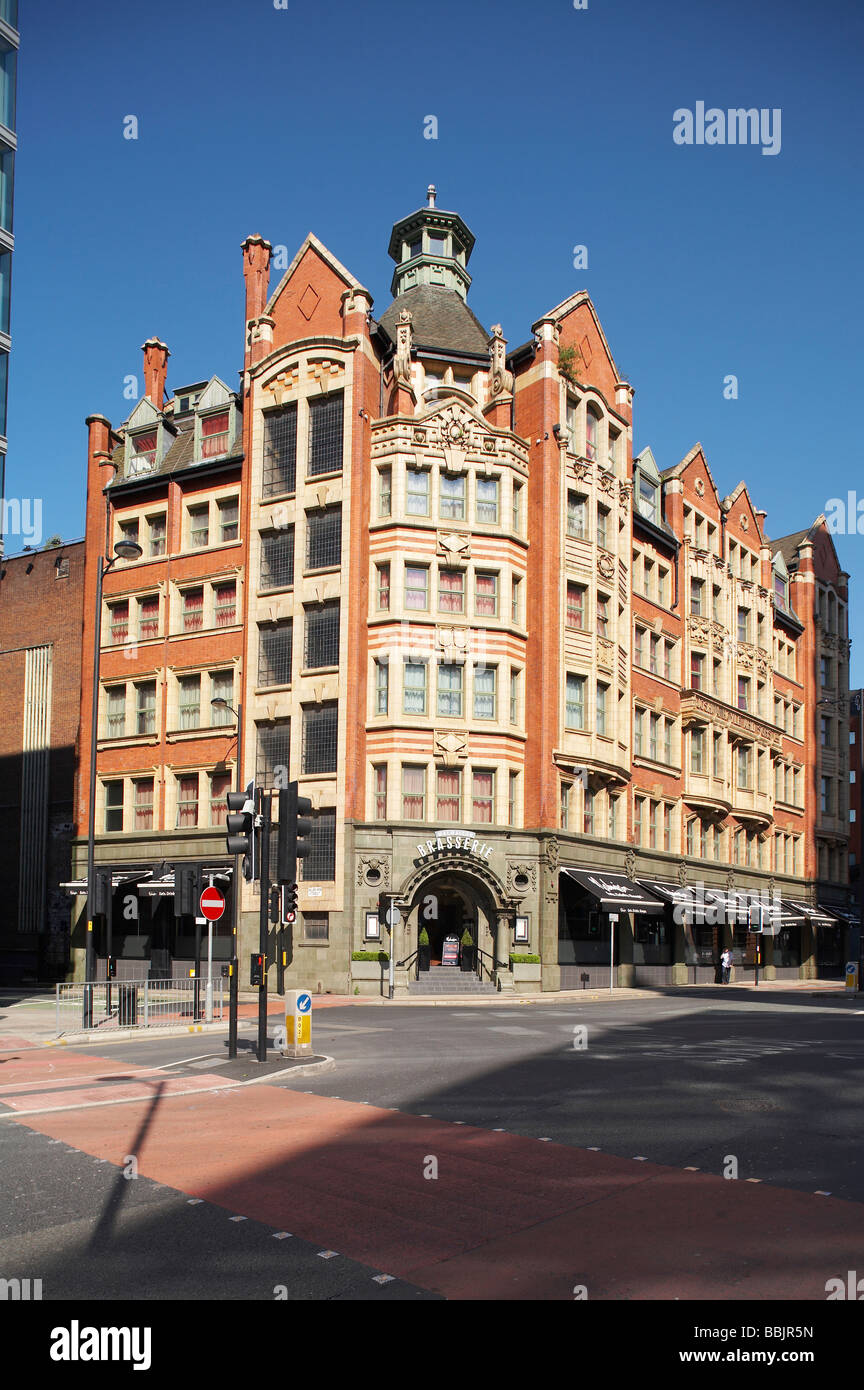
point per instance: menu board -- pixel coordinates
(450, 951)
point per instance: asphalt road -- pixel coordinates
(777, 1085)
(774, 1085)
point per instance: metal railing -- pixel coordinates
(110, 1005)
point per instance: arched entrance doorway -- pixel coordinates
(448, 904)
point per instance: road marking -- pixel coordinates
(282, 1235)
(327, 1254)
(517, 1028)
(238, 1218)
(383, 1278)
(194, 1201)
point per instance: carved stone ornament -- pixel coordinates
(699, 628)
(700, 487)
(582, 472)
(368, 867)
(455, 545)
(419, 436)
(682, 875)
(502, 380)
(517, 868)
(605, 565)
(453, 640)
(451, 748)
(552, 854)
(745, 521)
(402, 356)
(630, 863)
(606, 481)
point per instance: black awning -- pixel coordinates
(826, 915)
(615, 891)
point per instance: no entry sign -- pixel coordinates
(212, 904)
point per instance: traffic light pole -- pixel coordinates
(264, 844)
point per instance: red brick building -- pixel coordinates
(41, 614)
(533, 685)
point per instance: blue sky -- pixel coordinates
(554, 130)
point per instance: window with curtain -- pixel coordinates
(451, 591)
(448, 799)
(416, 492)
(602, 692)
(225, 604)
(482, 796)
(190, 702)
(451, 497)
(144, 803)
(156, 535)
(450, 676)
(148, 617)
(199, 527)
(220, 786)
(143, 458)
(119, 622)
(382, 687)
(214, 435)
(575, 702)
(576, 606)
(229, 518)
(413, 793)
(486, 595)
(221, 688)
(414, 688)
(116, 711)
(379, 791)
(592, 430)
(193, 610)
(484, 692)
(514, 697)
(146, 707)
(577, 516)
(187, 800)
(280, 451)
(487, 501)
(383, 589)
(385, 491)
(416, 586)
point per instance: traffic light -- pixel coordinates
(294, 829)
(755, 914)
(111, 967)
(289, 903)
(240, 823)
(102, 890)
(187, 890)
(256, 969)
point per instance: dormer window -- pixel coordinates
(214, 435)
(143, 458)
(648, 498)
(780, 589)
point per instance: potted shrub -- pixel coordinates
(467, 954)
(424, 953)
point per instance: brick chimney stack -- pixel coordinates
(156, 357)
(256, 271)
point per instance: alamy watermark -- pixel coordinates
(733, 127)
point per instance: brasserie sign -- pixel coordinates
(454, 842)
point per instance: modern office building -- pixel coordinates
(566, 700)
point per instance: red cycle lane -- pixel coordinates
(505, 1218)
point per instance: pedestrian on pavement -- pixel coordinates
(726, 966)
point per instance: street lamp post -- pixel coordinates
(123, 550)
(220, 703)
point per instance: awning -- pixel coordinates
(163, 886)
(614, 891)
(691, 897)
(78, 886)
(850, 915)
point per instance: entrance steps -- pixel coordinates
(440, 981)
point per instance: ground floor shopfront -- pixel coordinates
(529, 912)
